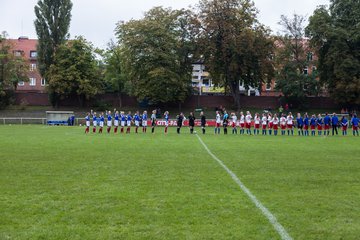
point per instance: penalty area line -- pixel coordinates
(272, 219)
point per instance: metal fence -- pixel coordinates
(25, 120)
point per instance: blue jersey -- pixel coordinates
(299, 121)
(144, 117)
(109, 117)
(306, 121)
(344, 122)
(102, 119)
(94, 118)
(334, 120)
(116, 117)
(166, 117)
(226, 116)
(319, 121)
(355, 121)
(128, 117)
(87, 118)
(136, 117)
(327, 120)
(313, 122)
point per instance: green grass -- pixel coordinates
(57, 183)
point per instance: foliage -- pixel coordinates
(156, 51)
(52, 26)
(13, 69)
(335, 31)
(293, 56)
(74, 71)
(236, 47)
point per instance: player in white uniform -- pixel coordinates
(290, 124)
(218, 123)
(270, 122)
(248, 118)
(283, 124)
(234, 123)
(242, 123)
(264, 123)
(257, 124)
(144, 121)
(275, 121)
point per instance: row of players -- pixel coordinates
(269, 123)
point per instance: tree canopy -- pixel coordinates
(237, 48)
(156, 53)
(335, 32)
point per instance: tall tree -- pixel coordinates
(237, 48)
(13, 69)
(74, 71)
(157, 54)
(52, 26)
(293, 60)
(335, 32)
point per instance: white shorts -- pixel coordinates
(88, 123)
(109, 123)
(116, 123)
(144, 123)
(137, 123)
(128, 123)
(123, 123)
(166, 123)
(101, 124)
(94, 123)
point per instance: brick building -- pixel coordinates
(23, 46)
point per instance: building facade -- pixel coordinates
(23, 46)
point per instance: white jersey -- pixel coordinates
(218, 118)
(242, 119)
(289, 120)
(283, 121)
(248, 118)
(270, 119)
(264, 120)
(257, 120)
(275, 121)
(234, 119)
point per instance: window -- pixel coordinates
(32, 67)
(306, 70)
(43, 82)
(33, 54)
(32, 82)
(268, 86)
(17, 53)
(313, 70)
(21, 83)
(310, 56)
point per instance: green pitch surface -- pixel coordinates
(58, 183)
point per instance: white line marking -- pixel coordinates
(272, 219)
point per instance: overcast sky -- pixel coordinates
(96, 19)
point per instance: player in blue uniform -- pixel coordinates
(334, 124)
(306, 124)
(327, 121)
(300, 124)
(166, 117)
(313, 124)
(101, 122)
(319, 122)
(355, 125)
(344, 125)
(109, 121)
(136, 121)
(87, 123)
(116, 121)
(144, 121)
(95, 122)
(123, 121)
(128, 122)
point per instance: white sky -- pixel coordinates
(96, 19)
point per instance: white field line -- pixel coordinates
(272, 219)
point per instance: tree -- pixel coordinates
(52, 26)
(293, 58)
(335, 32)
(13, 69)
(156, 51)
(114, 74)
(74, 71)
(237, 48)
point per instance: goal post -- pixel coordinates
(59, 117)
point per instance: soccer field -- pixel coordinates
(58, 183)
